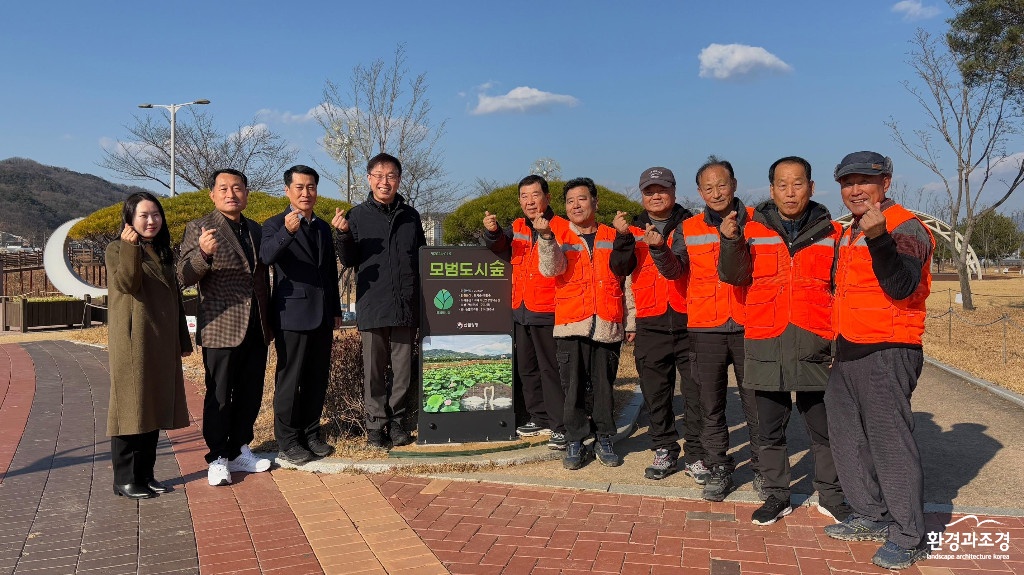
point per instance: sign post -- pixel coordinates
(465, 346)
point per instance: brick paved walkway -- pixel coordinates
(59, 515)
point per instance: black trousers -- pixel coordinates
(538, 372)
(710, 356)
(773, 411)
(234, 392)
(659, 356)
(303, 372)
(581, 360)
(871, 426)
(383, 400)
(133, 457)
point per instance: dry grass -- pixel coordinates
(974, 347)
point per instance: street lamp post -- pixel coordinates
(174, 110)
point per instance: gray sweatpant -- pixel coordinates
(871, 427)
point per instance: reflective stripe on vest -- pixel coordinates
(863, 313)
(652, 293)
(587, 287)
(529, 286)
(788, 289)
(709, 301)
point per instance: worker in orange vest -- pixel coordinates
(661, 342)
(715, 324)
(883, 277)
(784, 256)
(533, 310)
(589, 315)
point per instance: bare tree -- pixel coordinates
(547, 168)
(974, 122)
(379, 111)
(201, 149)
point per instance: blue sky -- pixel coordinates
(605, 88)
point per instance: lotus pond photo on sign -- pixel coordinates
(467, 373)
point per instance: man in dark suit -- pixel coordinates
(218, 254)
(306, 307)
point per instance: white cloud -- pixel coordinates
(249, 131)
(130, 148)
(275, 116)
(521, 99)
(721, 61)
(913, 10)
(1007, 166)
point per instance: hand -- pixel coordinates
(872, 222)
(619, 222)
(491, 222)
(129, 235)
(208, 241)
(730, 227)
(292, 221)
(630, 336)
(340, 222)
(653, 237)
(542, 227)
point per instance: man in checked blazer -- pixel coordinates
(220, 254)
(306, 308)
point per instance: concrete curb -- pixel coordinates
(625, 425)
(995, 389)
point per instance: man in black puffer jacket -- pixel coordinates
(381, 238)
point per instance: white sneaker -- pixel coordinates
(248, 462)
(218, 473)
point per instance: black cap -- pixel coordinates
(657, 175)
(870, 163)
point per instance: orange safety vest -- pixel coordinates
(587, 287)
(789, 289)
(862, 312)
(528, 285)
(652, 293)
(709, 301)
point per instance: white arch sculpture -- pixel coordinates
(58, 266)
(942, 230)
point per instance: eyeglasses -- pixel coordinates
(649, 192)
(390, 177)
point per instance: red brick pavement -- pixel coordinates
(17, 387)
(486, 528)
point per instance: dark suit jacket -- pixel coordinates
(305, 278)
(227, 284)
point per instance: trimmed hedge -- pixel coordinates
(105, 224)
(465, 224)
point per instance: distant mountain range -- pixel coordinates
(36, 199)
(450, 355)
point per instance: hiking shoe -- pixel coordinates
(557, 441)
(248, 462)
(576, 455)
(218, 473)
(377, 438)
(857, 528)
(838, 513)
(663, 466)
(399, 436)
(531, 429)
(697, 471)
(892, 556)
(318, 447)
(718, 485)
(296, 455)
(773, 509)
(606, 451)
(758, 485)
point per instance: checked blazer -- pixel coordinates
(227, 284)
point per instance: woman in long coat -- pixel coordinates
(147, 339)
